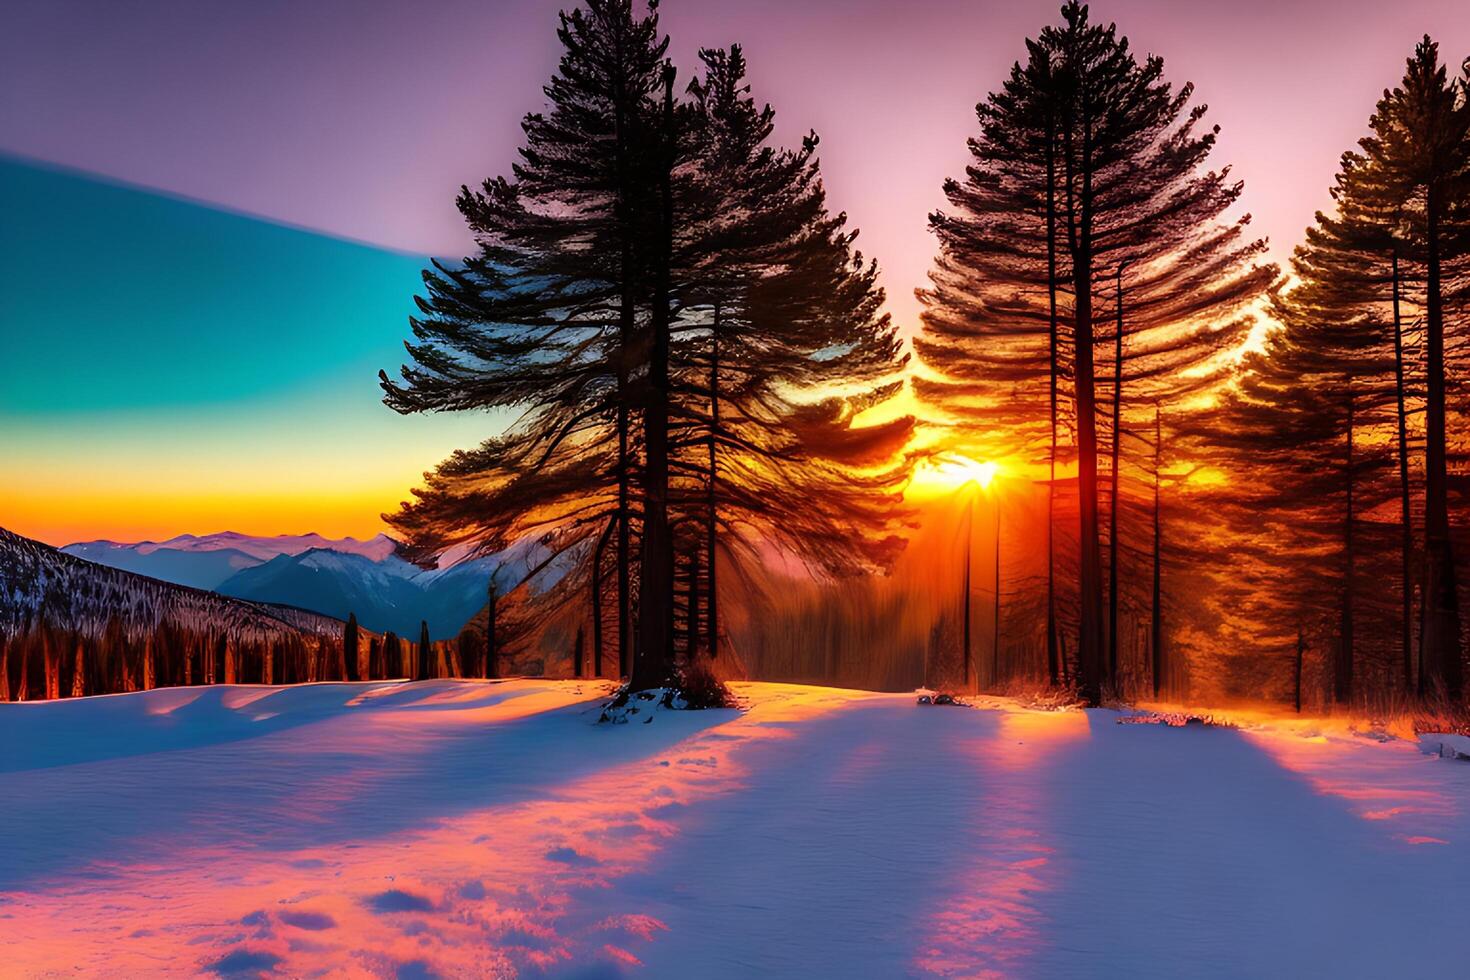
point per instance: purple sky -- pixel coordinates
(360, 119)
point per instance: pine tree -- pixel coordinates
(1320, 424)
(1419, 155)
(618, 326)
(776, 306)
(426, 667)
(350, 652)
(548, 319)
(1086, 180)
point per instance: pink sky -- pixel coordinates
(362, 119)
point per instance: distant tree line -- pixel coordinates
(41, 661)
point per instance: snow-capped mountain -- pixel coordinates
(198, 569)
(265, 548)
(39, 581)
(390, 594)
(332, 577)
(205, 561)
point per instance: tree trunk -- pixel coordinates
(426, 663)
(692, 615)
(597, 557)
(653, 656)
(1090, 665)
(1051, 486)
(79, 672)
(1116, 477)
(1406, 517)
(626, 326)
(1156, 624)
(995, 617)
(1301, 646)
(350, 663)
(1342, 674)
(712, 602)
(492, 667)
(966, 593)
(1440, 623)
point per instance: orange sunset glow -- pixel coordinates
(692, 490)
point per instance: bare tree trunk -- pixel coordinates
(1342, 675)
(626, 327)
(1440, 612)
(597, 558)
(1156, 625)
(1116, 487)
(714, 474)
(492, 667)
(995, 618)
(653, 657)
(966, 593)
(1051, 486)
(692, 616)
(1301, 647)
(1406, 517)
(51, 666)
(79, 672)
(1090, 664)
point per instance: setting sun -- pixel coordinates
(956, 470)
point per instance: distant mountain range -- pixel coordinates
(38, 581)
(206, 561)
(332, 577)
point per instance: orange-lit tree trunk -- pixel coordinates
(1051, 483)
(1090, 663)
(1156, 608)
(1342, 674)
(1406, 515)
(1440, 636)
(1117, 483)
(597, 560)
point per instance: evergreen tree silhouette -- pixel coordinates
(1086, 199)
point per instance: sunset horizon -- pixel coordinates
(617, 489)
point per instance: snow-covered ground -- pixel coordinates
(467, 829)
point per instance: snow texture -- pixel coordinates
(471, 828)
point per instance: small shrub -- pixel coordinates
(701, 688)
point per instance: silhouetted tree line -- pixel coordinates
(1251, 484)
(1297, 502)
(1348, 427)
(42, 661)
